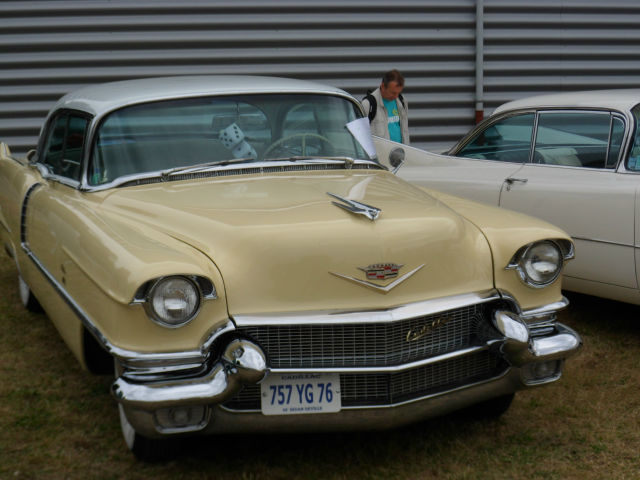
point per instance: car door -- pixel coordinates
(573, 183)
(495, 151)
(51, 207)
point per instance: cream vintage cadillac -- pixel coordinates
(232, 245)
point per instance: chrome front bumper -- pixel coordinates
(241, 362)
(535, 353)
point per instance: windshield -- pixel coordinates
(207, 131)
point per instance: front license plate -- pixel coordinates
(293, 394)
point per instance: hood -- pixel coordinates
(281, 245)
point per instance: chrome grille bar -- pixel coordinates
(372, 344)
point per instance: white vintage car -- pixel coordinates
(572, 159)
(230, 244)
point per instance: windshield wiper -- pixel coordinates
(204, 166)
(348, 161)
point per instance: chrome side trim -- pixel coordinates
(402, 312)
(607, 242)
(23, 214)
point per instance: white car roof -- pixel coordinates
(102, 98)
(622, 100)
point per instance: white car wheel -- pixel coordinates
(128, 432)
(147, 449)
(27, 297)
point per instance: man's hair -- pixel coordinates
(393, 76)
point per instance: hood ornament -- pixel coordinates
(358, 208)
(375, 270)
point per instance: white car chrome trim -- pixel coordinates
(597, 240)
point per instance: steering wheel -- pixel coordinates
(289, 150)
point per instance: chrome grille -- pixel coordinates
(372, 344)
(378, 389)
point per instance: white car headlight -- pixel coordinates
(174, 301)
(538, 264)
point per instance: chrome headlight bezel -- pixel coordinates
(525, 258)
(195, 287)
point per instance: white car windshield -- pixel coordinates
(216, 131)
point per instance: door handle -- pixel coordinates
(511, 180)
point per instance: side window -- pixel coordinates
(633, 162)
(578, 139)
(507, 140)
(64, 146)
(52, 157)
(615, 143)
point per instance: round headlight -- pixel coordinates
(174, 301)
(541, 263)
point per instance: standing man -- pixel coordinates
(388, 110)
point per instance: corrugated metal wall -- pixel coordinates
(48, 48)
(559, 45)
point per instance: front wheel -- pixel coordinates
(146, 449)
(28, 299)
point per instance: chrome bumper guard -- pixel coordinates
(242, 362)
(521, 346)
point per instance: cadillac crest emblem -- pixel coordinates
(381, 271)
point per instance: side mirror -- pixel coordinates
(396, 158)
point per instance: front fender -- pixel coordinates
(99, 262)
(506, 231)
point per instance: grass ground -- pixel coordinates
(59, 422)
